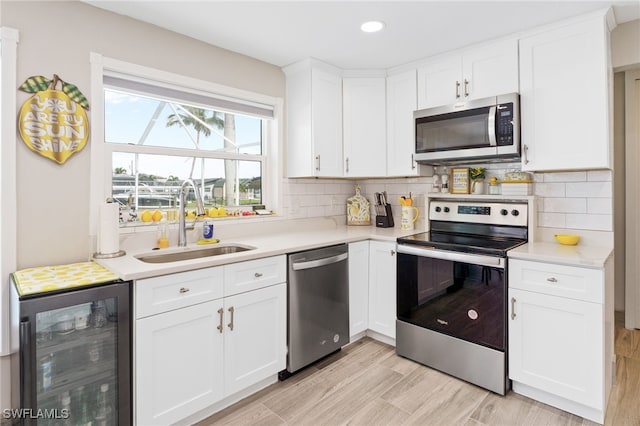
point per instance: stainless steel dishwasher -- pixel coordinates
(318, 301)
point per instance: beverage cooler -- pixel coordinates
(71, 342)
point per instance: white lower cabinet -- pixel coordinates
(179, 363)
(255, 340)
(382, 288)
(190, 357)
(554, 345)
(559, 351)
(358, 287)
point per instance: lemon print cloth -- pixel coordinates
(44, 279)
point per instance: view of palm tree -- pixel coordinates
(173, 142)
(201, 122)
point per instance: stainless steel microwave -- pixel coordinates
(480, 130)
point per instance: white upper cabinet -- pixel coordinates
(364, 126)
(314, 120)
(402, 101)
(478, 72)
(564, 97)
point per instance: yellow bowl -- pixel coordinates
(567, 239)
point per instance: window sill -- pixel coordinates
(140, 227)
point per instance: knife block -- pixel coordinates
(385, 221)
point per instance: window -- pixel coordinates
(160, 132)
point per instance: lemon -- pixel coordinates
(213, 212)
(156, 216)
(222, 211)
(191, 215)
(146, 216)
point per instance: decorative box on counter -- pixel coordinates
(517, 183)
(516, 188)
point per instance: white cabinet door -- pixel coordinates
(490, 70)
(326, 122)
(314, 120)
(475, 73)
(179, 367)
(382, 288)
(255, 336)
(364, 126)
(401, 145)
(254, 274)
(564, 98)
(556, 345)
(358, 287)
(439, 82)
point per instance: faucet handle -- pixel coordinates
(192, 225)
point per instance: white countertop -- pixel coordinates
(267, 244)
(553, 252)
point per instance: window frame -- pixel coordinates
(101, 152)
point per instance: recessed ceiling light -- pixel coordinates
(372, 26)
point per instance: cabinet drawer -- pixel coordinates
(559, 280)
(162, 294)
(254, 274)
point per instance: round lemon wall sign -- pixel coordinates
(53, 123)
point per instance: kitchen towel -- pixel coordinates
(108, 229)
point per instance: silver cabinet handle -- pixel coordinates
(230, 325)
(457, 89)
(184, 290)
(318, 162)
(526, 154)
(413, 162)
(466, 88)
(513, 308)
(220, 326)
(347, 161)
(552, 280)
(393, 252)
(257, 274)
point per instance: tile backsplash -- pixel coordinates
(571, 200)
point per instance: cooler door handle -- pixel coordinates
(27, 381)
(513, 308)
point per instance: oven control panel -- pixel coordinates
(512, 214)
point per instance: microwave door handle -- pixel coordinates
(491, 126)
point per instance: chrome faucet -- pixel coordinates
(182, 230)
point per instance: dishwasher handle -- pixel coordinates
(298, 266)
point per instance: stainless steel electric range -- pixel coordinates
(452, 289)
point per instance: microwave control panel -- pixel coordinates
(504, 124)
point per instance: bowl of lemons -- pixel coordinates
(567, 239)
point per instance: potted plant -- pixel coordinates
(477, 175)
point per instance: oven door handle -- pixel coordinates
(474, 259)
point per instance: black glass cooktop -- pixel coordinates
(468, 243)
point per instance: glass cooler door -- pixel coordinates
(75, 360)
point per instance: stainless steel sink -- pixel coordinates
(192, 254)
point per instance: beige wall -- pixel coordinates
(56, 37)
(625, 45)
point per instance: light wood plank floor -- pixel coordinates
(368, 384)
